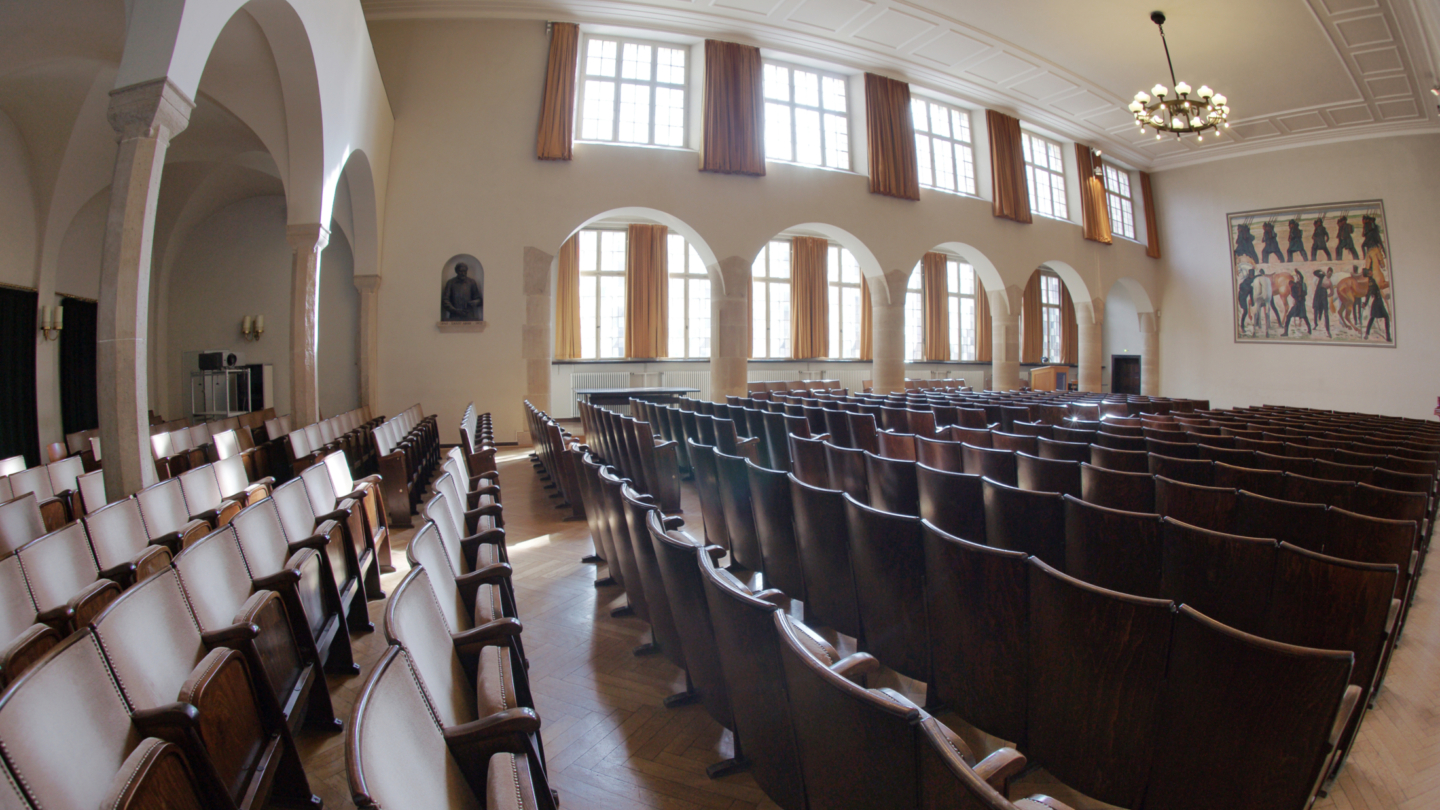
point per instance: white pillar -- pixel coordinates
(1005, 339)
(887, 340)
(729, 328)
(369, 287)
(1090, 319)
(145, 116)
(1150, 356)
(307, 240)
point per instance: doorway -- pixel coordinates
(1124, 374)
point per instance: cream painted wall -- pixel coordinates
(1198, 354)
(77, 272)
(1121, 330)
(17, 208)
(464, 179)
(337, 360)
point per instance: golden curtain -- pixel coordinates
(647, 314)
(809, 304)
(936, 306)
(557, 111)
(983, 326)
(1069, 330)
(1032, 322)
(1152, 227)
(1007, 167)
(867, 344)
(567, 301)
(1095, 214)
(734, 110)
(893, 168)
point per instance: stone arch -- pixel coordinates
(674, 223)
(1074, 283)
(364, 223)
(984, 270)
(869, 265)
(1138, 294)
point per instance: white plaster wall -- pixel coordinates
(234, 263)
(463, 178)
(17, 208)
(77, 271)
(1121, 331)
(1199, 357)
(338, 357)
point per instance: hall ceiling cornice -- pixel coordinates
(1296, 71)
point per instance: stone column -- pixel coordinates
(1090, 319)
(729, 328)
(369, 287)
(535, 335)
(887, 317)
(145, 116)
(307, 240)
(1005, 339)
(1150, 356)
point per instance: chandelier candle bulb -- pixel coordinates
(1183, 89)
(1159, 90)
(260, 323)
(59, 317)
(1206, 93)
(245, 325)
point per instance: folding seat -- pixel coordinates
(998, 465)
(54, 510)
(939, 454)
(953, 501)
(1225, 576)
(1010, 414)
(25, 637)
(1328, 603)
(707, 483)
(161, 657)
(898, 446)
(122, 548)
(734, 492)
(1019, 520)
(167, 516)
(1394, 504)
(1343, 472)
(91, 488)
(20, 522)
(921, 422)
(296, 511)
(1119, 460)
(301, 573)
(706, 423)
(1113, 549)
(837, 424)
(1363, 538)
(88, 731)
(846, 470)
(350, 516)
(1047, 475)
(1246, 443)
(430, 770)
(1036, 429)
(63, 482)
(891, 485)
(774, 447)
(1305, 489)
(201, 489)
(221, 594)
(976, 437)
(887, 557)
(1206, 507)
(476, 680)
(467, 601)
(612, 506)
(1188, 470)
(775, 529)
(1292, 448)
(862, 431)
(11, 465)
(1233, 457)
(1080, 435)
(822, 537)
(893, 419)
(63, 580)
(678, 554)
(1114, 442)
(1410, 465)
(1270, 483)
(1069, 451)
(973, 418)
(1013, 442)
(1298, 465)
(1300, 524)
(1095, 654)
(1271, 711)
(1111, 428)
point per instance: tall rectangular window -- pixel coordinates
(806, 118)
(1050, 315)
(843, 274)
(602, 294)
(960, 278)
(1045, 176)
(915, 316)
(689, 302)
(943, 146)
(770, 301)
(1122, 205)
(632, 92)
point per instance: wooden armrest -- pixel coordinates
(122, 574)
(495, 537)
(509, 722)
(856, 666)
(1395, 605)
(774, 596)
(715, 552)
(998, 768)
(172, 721)
(314, 541)
(490, 573)
(171, 541)
(280, 580)
(489, 634)
(30, 646)
(1342, 717)
(338, 516)
(92, 599)
(230, 637)
(58, 617)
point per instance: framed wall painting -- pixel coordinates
(1317, 274)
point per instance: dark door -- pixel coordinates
(1124, 375)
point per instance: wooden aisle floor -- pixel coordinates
(612, 745)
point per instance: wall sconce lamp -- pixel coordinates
(252, 328)
(1098, 168)
(52, 320)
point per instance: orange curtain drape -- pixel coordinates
(893, 168)
(867, 328)
(647, 314)
(983, 327)
(1032, 325)
(936, 306)
(809, 304)
(1069, 330)
(734, 107)
(557, 111)
(1094, 212)
(1152, 227)
(1007, 167)
(567, 302)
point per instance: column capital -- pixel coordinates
(309, 236)
(369, 283)
(153, 109)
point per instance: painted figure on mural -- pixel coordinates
(1323, 285)
(1245, 243)
(1270, 242)
(1370, 233)
(1297, 307)
(1345, 238)
(1246, 293)
(462, 298)
(1377, 306)
(1320, 240)
(1297, 242)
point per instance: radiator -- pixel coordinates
(689, 379)
(587, 379)
(768, 375)
(852, 378)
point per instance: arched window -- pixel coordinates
(915, 317)
(770, 301)
(843, 274)
(1050, 315)
(962, 291)
(689, 300)
(602, 294)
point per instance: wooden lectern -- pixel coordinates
(1050, 378)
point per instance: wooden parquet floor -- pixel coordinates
(612, 745)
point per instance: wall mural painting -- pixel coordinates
(1313, 274)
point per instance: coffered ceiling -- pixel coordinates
(1295, 71)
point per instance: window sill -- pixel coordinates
(612, 361)
(962, 194)
(626, 144)
(812, 166)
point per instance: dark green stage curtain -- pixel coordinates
(79, 398)
(19, 428)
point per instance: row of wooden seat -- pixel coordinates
(552, 463)
(407, 449)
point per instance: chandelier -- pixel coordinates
(1179, 111)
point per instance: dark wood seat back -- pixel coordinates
(1117, 489)
(939, 454)
(1121, 460)
(775, 529)
(888, 560)
(707, 484)
(1305, 489)
(1224, 576)
(837, 424)
(953, 501)
(678, 555)
(739, 514)
(1013, 442)
(1210, 508)
(1113, 549)
(1300, 524)
(899, 446)
(1189, 470)
(1097, 670)
(663, 631)
(636, 594)
(1115, 442)
(1019, 520)
(1040, 430)
(1047, 475)
(1074, 434)
(862, 431)
(892, 486)
(971, 418)
(1067, 451)
(808, 462)
(996, 464)
(822, 537)
(1387, 503)
(1270, 483)
(847, 470)
(977, 437)
(1183, 450)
